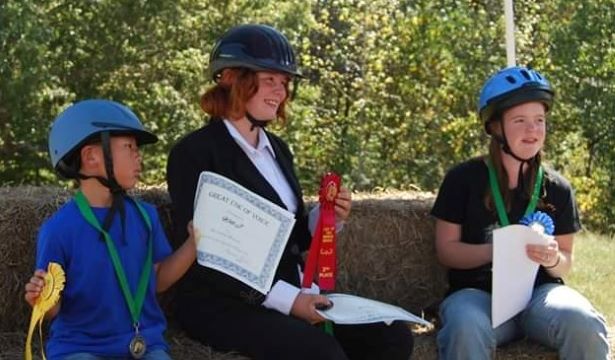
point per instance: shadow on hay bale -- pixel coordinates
(385, 253)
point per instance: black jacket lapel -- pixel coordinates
(240, 167)
(286, 164)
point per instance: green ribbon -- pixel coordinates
(328, 327)
(497, 195)
(135, 304)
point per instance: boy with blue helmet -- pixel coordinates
(488, 192)
(112, 247)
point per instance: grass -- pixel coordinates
(593, 272)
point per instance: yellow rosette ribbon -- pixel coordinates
(50, 295)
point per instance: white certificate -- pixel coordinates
(239, 232)
(514, 273)
(350, 309)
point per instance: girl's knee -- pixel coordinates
(582, 323)
(467, 332)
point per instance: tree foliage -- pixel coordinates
(389, 98)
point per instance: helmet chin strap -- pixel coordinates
(256, 123)
(117, 192)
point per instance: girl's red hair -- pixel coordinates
(233, 89)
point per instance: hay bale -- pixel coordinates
(386, 252)
(12, 345)
(386, 249)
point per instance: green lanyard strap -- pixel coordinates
(497, 195)
(135, 305)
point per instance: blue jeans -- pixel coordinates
(151, 355)
(557, 316)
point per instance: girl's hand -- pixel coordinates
(545, 255)
(304, 307)
(35, 286)
(343, 203)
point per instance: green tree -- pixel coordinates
(390, 90)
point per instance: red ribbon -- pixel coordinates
(322, 248)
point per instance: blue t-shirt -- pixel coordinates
(94, 316)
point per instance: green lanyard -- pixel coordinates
(135, 305)
(497, 195)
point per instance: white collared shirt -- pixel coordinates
(263, 158)
(282, 295)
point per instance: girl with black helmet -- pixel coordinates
(507, 186)
(112, 247)
(252, 66)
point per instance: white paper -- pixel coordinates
(350, 309)
(240, 233)
(514, 273)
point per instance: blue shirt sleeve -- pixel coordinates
(162, 248)
(49, 247)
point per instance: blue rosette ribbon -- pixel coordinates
(541, 219)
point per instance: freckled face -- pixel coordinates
(270, 94)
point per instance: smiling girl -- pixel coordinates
(491, 191)
(252, 66)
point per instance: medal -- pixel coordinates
(137, 345)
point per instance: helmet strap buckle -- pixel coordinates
(256, 123)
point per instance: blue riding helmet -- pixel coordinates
(256, 47)
(79, 122)
(513, 86)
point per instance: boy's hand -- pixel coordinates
(193, 235)
(34, 287)
(174, 266)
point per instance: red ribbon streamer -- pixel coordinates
(322, 249)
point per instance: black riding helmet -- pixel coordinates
(256, 47)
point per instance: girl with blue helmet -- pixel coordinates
(252, 66)
(112, 247)
(495, 190)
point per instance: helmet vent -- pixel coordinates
(511, 86)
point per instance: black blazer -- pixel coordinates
(213, 149)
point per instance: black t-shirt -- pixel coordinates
(461, 201)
